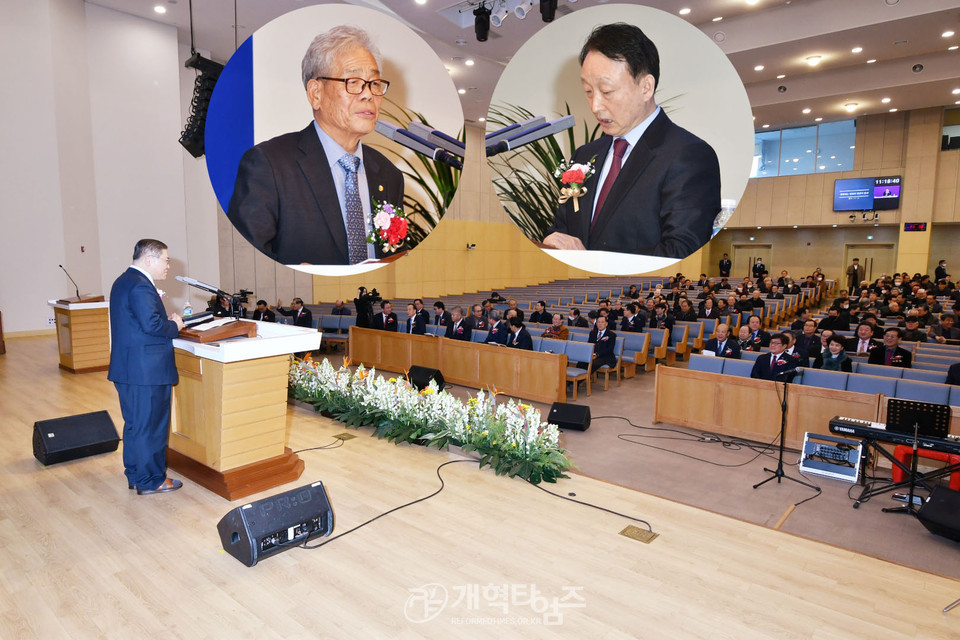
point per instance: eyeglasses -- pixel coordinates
(356, 86)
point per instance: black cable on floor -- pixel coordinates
(332, 445)
(386, 513)
(589, 504)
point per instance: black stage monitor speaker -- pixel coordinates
(570, 416)
(272, 525)
(73, 437)
(941, 513)
(420, 377)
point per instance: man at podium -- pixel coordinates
(142, 366)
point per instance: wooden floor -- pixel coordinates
(83, 557)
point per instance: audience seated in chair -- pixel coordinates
(723, 346)
(520, 337)
(891, 354)
(415, 323)
(557, 330)
(835, 357)
(458, 329)
(775, 365)
(604, 342)
(499, 332)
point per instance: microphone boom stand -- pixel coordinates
(779, 472)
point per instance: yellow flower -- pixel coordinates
(392, 380)
(427, 391)
(525, 407)
(485, 432)
(514, 444)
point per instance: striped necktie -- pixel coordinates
(356, 229)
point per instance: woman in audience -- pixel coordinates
(835, 357)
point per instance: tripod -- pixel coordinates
(910, 507)
(779, 472)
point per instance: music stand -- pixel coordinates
(916, 419)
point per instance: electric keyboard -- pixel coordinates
(878, 431)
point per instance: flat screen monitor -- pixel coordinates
(866, 194)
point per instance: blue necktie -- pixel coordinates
(356, 229)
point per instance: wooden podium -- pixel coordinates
(83, 334)
(228, 424)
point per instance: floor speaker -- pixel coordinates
(73, 437)
(420, 377)
(941, 513)
(272, 525)
(570, 416)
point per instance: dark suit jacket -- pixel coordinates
(419, 326)
(761, 368)
(634, 324)
(663, 203)
(953, 374)
(730, 350)
(477, 324)
(463, 332)
(545, 317)
(809, 347)
(498, 333)
(141, 351)
(305, 319)
(879, 356)
(266, 316)
(521, 340)
(850, 344)
(442, 319)
(666, 323)
(606, 346)
(285, 202)
(725, 268)
(389, 325)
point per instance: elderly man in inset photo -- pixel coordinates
(308, 197)
(656, 186)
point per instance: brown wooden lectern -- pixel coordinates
(83, 333)
(228, 425)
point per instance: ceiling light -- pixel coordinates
(813, 60)
(953, 48)
(834, 226)
(856, 50)
(766, 126)
(718, 19)
(481, 22)
(468, 62)
(822, 167)
(752, 2)
(853, 146)
(869, 237)
(946, 34)
(481, 119)
(833, 157)
(885, 100)
(894, 110)
(759, 228)
(817, 119)
(461, 91)
(684, 11)
(955, 91)
(809, 150)
(421, 1)
(850, 107)
(497, 17)
(781, 76)
(796, 227)
(751, 237)
(759, 67)
(796, 159)
(523, 8)
(871, 60)
(807, 110)
(160, 9)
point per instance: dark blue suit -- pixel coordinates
(463, 332)
(499, 333)
(521, 340)
(143, 369)
(419, 326)
(730, 348)
(763, 370)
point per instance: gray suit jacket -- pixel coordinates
(285, 201)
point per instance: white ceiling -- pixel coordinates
(778, 34)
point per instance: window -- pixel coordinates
(803, 150)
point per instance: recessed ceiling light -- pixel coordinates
(796, 227)
(796, 159)
(871, 60)
(807, 110)
(718, 19)
(781, 76)
(421, 1)
(752, 2)
(894, 110)
(869, 237)
(953, 48)
(481, 119)
(809, 150)
(751, 237)
(813, 60)
(822, 167)
(834, 226)
(833, 157)
(885, 100)
(160, 9)
(759, 227)
(469, 62)
(817, 119)
(851, 107)
(461, 91)
(856, 50)
(957, 102)
(946, 34)
(684, 11)
(759, 67)
(955, 91)
(766, 126)
(853, 146)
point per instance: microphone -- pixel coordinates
(201, 285)
(531, 135)
(511, 130)
(438, 138)
(73, 281)
(418, 144)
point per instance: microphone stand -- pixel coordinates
(779, 472)
(910, 507)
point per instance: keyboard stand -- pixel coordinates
(920, 479)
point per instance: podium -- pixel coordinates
(228, 423)
(83, 334)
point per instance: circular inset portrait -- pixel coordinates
(619, 138)
(334, 139)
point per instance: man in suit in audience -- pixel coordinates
(512, 306)
(912, 331)
(340, 309)
(302, 317)
(441, 316)
(458, 329)
(499, 331)
(863, 342)
(414, 323)
(477, 321)
(802, 316)
(725, 266)
(891, 354)
(557, 330)
(263, 312)
(946, 330)
(421, 310)
(758, 336)
(604, 343)
(576, 320)
(632, 322)
(778, 364)
(661, 318)
(774, 293)
(386, 320)
(723, 346)
(808, 342)
(540, 314)
(520, 337)
(142, 366)
(835, 320)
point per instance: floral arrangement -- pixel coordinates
(510, 437)
(573, 177)
(389, 226)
